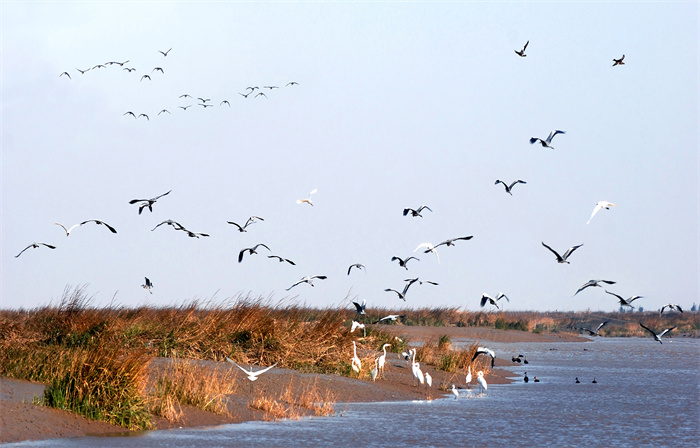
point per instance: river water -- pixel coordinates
(647, 394)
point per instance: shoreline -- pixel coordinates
(21, 420)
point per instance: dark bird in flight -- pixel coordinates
(260, 94)
(170, 222)
(82, 72)
(270, 87)
(204, 100)
(595, 332)
(97, 221)
(521, 53)
(65, 73)
(360, 309)
(293, 83)
(594, 283)
(148, 285)
(129, 69)
(308, 279)
(145, 76)
(205, 105)
(619, 61)
(403, 262)
(281, 260)
(564, 258)
(487, 298)
(252, 89)
(35, 246)
(250, 250)
(157, 69)
(657, 336)
(147, 202)
(485, 351)
(416, 212)
(184, 96)
(251, 220)
(510, 187)
(225, 102)
(402, 294)
(671, 306)
(184, 107)
(164, 53)
(356, 265)
(98, 66)
(244, 95)
(164, 110)
(450, 242)
(144, 115)
(129, 113)
(192, 234)
(547, 143)
(624, 302)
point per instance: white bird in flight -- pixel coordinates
(147, 202)
(252, 376)
(307, 200)
(308, 279)
(624, 302)
(356, 265)
(485, 351)
(657, 336)
(429, 248)
(487, 298)
(147, 285)
(600, 205)
(671, 306)
(416, 212)
(595, 332)
(547, 143)
(594, 283)
(96, 221)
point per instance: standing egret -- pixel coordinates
(428, 382)
(482, 382)
(382, 359)
(373, 373)
(455, 392)
(356, 363)
(469, 375)
(415, 369)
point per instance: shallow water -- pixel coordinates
(647, 394)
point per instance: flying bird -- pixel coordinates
(35, 246)
(403, 262)
(416, 212)
(485, 351)
(82, 72)
(671, 306)
(170, 222)
(564, 258)
(391, 317)
(205, 105)
(595, 332)
(164, 53)
(251, 220)
(225, 102)
(402, 295)
(600, 205)
(450, 242)
(293, 83)
(164, 110)
(147, 285)
(307, 200)
(129, 113)
(65, 73)
(487, 298)
(657, 336)
(360, 309)
(590, 283)
(250, 250)
(145, 76)
(429, 248)
(252, 376)
(521, 53)
(204, 100)
(509, 187)
(245, 95)
(68, 231)
(356, 265)
(624, 302)
(98, 222)
(619, 61)
(129, 69)
(157, 69)
(143, 115)
(184, 95)
(282, 260)
(270, 87)
(192, 234)
(147, 202)
(547, 142)
(356, 325)
(308, 279)
(184, 107)
(260, 94)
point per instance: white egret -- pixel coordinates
(428, 383)
(307, 200)
(252, 376)
(374, 372)
(429, 248)
(382, 358)
(600, 205)
(455, 392)
(360, 309)
(356, 325)
(482, 382)
(356, 363)
(356, 265)
(415, 369)
(308, 279)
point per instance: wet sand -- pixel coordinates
(20, 419)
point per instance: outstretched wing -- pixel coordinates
(240, 229)
(665, 331)
(648, 329)
(570, 251)
(247, 372)
(553, 251)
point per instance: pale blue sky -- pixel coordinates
(398, 105)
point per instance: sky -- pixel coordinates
(397, 105)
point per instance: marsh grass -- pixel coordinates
(293, 402)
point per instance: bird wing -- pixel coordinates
(247, 372)
(322, 277)
(570, 251)
(553, 251)
(534, 139)
(424, 207)
(665, 331)
(297, 283)
(648, 329)
(158, 197)
(499, 181)
(97, 221)
(601, 326)
(526, 44)
(260, 244)
(485, 298)
(260, 372)
(240, 229)
(597, 207)
(357, 306)
(619, 297)
(589, 283)
(516, 182)
(552, 134)
(240, 254)
(502, 296)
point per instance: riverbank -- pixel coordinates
(20, 419)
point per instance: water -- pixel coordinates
(646, 394)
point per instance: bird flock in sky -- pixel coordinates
(261, 93)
